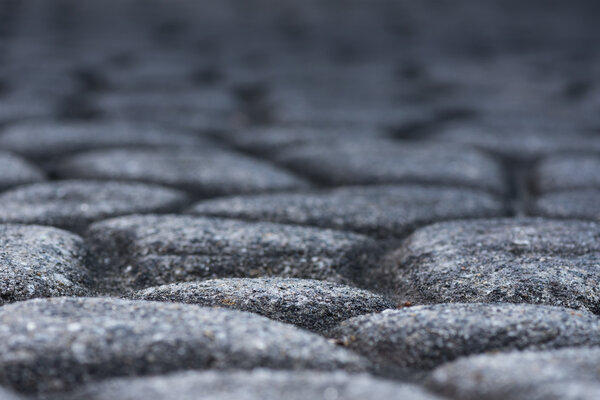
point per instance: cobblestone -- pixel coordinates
(17, 171)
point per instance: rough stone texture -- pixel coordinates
(567, 172)
(40, 261)
(372, 161)
(16, 171)
(51, 139)
(260, 384)
(309, 304)
(515, 139)
(143, 251)
(509, 260)
(57, 344)
(574, 204)
(206, 172)
(423, 337)
(565, 374)
(380, 211)
(73, 205)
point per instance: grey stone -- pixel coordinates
(260, 384)
(6, 395)
(206, 172)
(40, 261)
(43, 140)
(573, 204)
(381, 211)
(17, 171)
(502, 260)
(423, 337)
(143, 251)
(309, 304)
(565, 374)
(74, 204)
(567, 172)
(49, 345)
(369, 161)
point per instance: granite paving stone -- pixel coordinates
(370, 161)
(567, 172)
(141, 251)
(565, 374)
(51, 345)
(17, 171)
(205, 172)
(309, 304)
(261, 384)
(38, 261)
(74, 204)
(572, 204)
(380, 211)
(423, 337)
(44, 140)
(502, 260)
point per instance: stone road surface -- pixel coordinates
(299, 199)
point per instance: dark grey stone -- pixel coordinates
(380, 211)
(75, 204)
(502, 260)
(17, 171)
(423, 337)
(565, 374)
(143, 251)
(206, 172)
(42, 140)
(573, 204)
(40, 261)
(310, 304)
(369, 161)
(260, 384)
(57, 344)
(567, 172)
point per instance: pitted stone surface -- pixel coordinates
(310, 304)
(423, 337)
(47, 140)
(259, 384)
(74, 204)
(372, 161)
(40, 261)
(567, 172)
(58, 344)
(504, 260)
(16, 171)
(380, 211)
(143, 251)
(572, 204)
(206, 172)
(565, 374)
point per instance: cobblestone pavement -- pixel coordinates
(299, 199)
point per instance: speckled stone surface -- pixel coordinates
(569, 374)
(143, 251)
(567, 172)
(517, 261)
(38, 261)
(369, 161)
(260, 384)
(74, 204)
(309, 304)
(380, 211)
(17, 171)
(205, 172)
(43, 140)
(423, 337)
(57, 344)
(573, 204)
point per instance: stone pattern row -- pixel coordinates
(289, 200)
